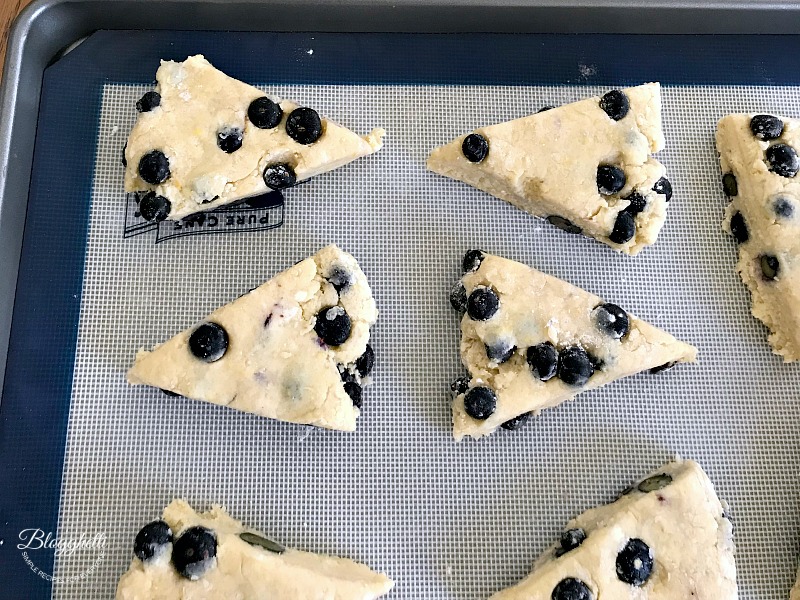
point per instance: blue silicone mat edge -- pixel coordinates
(35, 403)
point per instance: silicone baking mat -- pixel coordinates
(444, 520)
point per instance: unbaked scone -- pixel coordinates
(294, 349)
(759, 165)
(665, 538)
(203, 140)
(211, 556)
(585, 167)
(531, 341)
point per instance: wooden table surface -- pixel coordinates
(8, 10)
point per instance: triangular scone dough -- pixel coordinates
(764, 217)
(276, 363)
(666, 538)
(580, 341)
(795, 593)
(198, 104)
(547, 164)
(234, 567)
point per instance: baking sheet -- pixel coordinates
(445, 520)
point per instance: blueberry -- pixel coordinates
(564, 224)
(333, 325)
(612, 320)
(458, 297)
(766, 127)
(624, 228)
(545, 109)
(264, 113)
(482, 304)
(194, 552)
(480, 403)
(365, 362)
(783, 207)
(770, 266)
(354, 391)
(637, 203)
(729, 185)
(304, 125)
(570, 539)
(170, 393)
(279, 176)
(635, 563)
(148, 102)
(229, 139)
(153, 207)
(571, 589)
(460, 385)
(655, 483)
(517, 422)
(154, 167)
(472, 260)
(475, 147)
(739, 228)
(209, 342)
(665, 367)
(610, 179)
(543, 360)
(615, 104)
(783, 160)
(574, 366)
(500, 352)
(663, 187)
(340, 279)
(124, 160)
(152, 540)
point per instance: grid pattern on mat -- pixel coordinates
(445, 520)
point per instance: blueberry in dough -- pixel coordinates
(635, 563)
(480, 403)
(611, 319)
(766, 127)
(655, 483)
(460, 385)
(482, 304)
(458, 297)
(739, 228)
(770, 266)
(545, 108)
(637, 203)
(782, 160)
(574, 366)
(154, 167)
(564, 224)
(365, 362)
(340, 279)
(500, 352)
(665, 367)
(571, 589)
(517, 422)
(304, 126)
(783, 207)
(570, 539)
(615, 104)
(152, 540)
(729, 185)
(279, 176)
(124, 160)
(472, 260)
(209, 342)
(264, 113)
(475, 147)
(170, 393)
(543, 360)
(333, 325)
(354, 391)
(229, 139)
(624, 228)
(193, 553)
(664, 187)
(148, 102)
(610, 179)
(153, 207)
